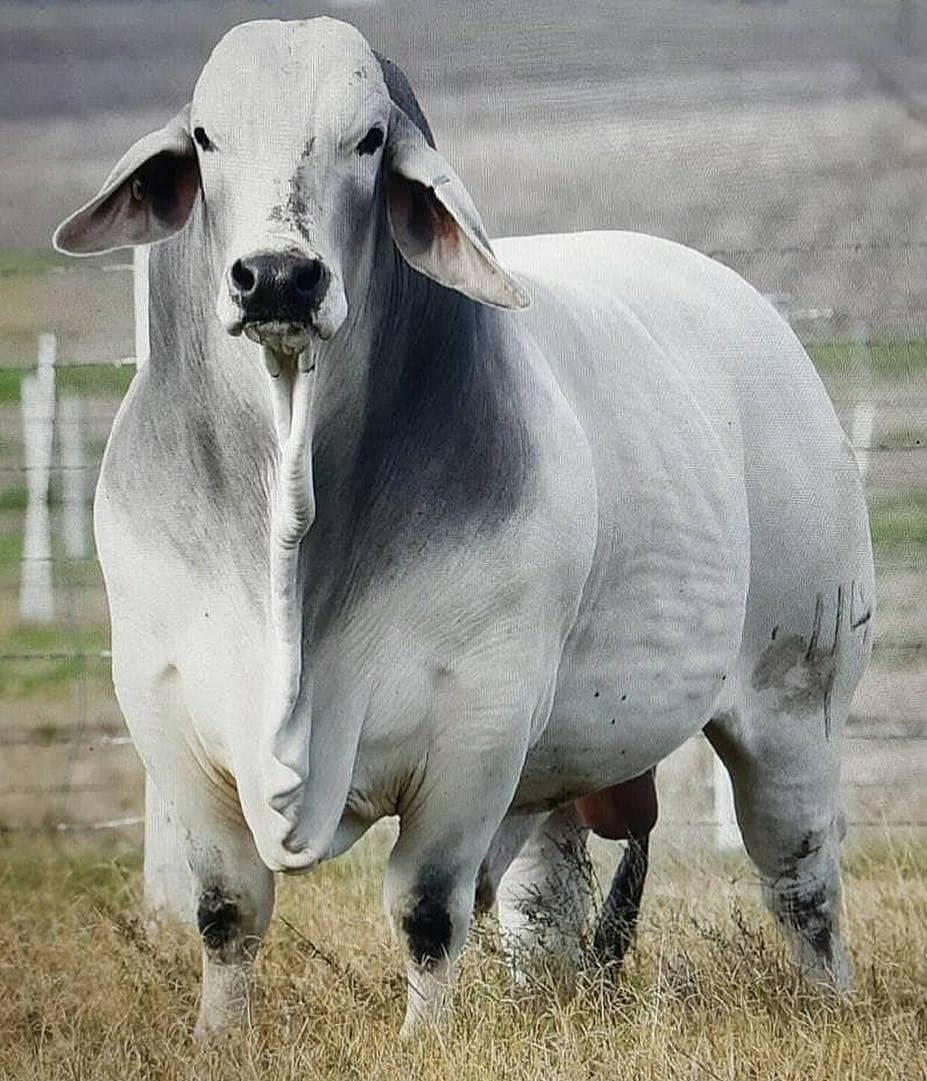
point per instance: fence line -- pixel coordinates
(103, 736)
(849, 247)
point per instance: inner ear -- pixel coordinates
(423, 221)
(152, 202)
(169, 182)
(146, 198)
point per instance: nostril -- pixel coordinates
(307, 277)
(243, 277)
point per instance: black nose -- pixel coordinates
(278, 287)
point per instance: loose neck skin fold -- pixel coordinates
(325, 463)
(305, 465)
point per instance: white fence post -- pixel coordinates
(727, 832)
(75, 496)
(861, 434)
(36, 595)
(140, 297)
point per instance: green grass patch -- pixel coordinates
(13, 499)
(21, 262)
(900, 523)
(11, 547)
(10, 382)
(100, 380)
(888, 359)
(105, 870)
(37, 660)
(84, 380)
(16, 261)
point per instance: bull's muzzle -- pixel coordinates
(277, 296)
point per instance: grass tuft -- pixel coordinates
(708, 992)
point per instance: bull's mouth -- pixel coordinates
(281, 338)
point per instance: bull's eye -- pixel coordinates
(202, 138)
(138, 189)
(371, 142)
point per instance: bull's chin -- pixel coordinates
(283, 338)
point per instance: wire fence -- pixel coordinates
(66, 760)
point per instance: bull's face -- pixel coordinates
(290, 124)
(300, 158)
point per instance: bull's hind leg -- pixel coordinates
(544, 897)
(782, 755)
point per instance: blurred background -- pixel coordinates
(786, 139)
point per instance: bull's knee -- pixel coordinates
(220, 923)
(427, 921)
(231, 924)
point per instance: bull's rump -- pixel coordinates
(729, 499)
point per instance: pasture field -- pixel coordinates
(788, 140)
(708, 992)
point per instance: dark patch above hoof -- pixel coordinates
(216, 918)
(428, 925)
(485, 893)
(808, 911)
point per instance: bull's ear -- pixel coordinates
(147, 197)
(435, 224)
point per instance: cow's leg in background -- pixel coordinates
(784, 769)
(168, 889)
(545, 895)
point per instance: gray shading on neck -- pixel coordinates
(403, 95)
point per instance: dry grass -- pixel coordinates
(707, 994)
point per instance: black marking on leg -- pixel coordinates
(808, 912)
(812, 649)
(617, 924)
(485, 893)
(855, 623)
(427, 925)
(217, 918)
(810, 845)
(804, 904)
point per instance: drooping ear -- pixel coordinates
(147, 197)
(434, 223)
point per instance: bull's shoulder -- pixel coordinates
(175, 463)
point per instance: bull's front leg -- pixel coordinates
(431, 877)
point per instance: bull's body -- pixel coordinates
(546, 548)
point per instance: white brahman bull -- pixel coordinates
(378, 541)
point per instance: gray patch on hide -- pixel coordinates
(802, 671)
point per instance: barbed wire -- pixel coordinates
(84, 733)
(713, 251)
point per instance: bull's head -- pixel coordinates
(297, 149)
